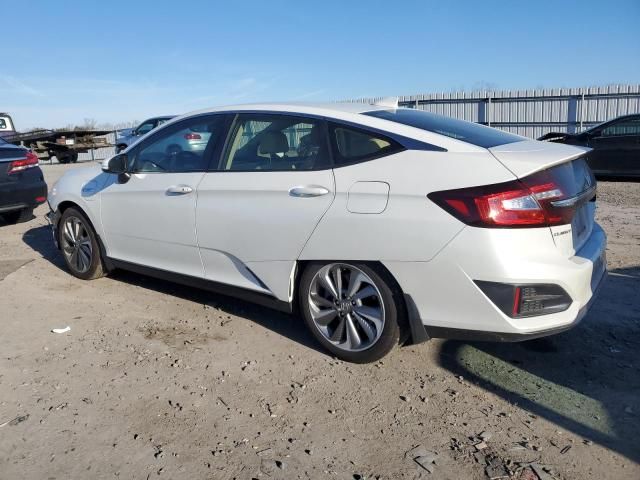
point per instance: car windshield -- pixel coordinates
(469, 132)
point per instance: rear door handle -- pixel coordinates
(307, 191)
(179, 190)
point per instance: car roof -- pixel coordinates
(302, 107)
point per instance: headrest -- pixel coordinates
(273, 142)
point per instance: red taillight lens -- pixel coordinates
(543, 199)
(192, 136)
(30, 161)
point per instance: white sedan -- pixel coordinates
(375, 224)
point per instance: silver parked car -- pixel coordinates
(129, 136)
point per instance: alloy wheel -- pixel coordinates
(76, 244)
(346, 307)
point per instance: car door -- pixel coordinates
(258, 209)
(616, 148)
(148, 216)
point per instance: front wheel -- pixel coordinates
(79, 245)
(351, 310)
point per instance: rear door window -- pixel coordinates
(468, 132)
(271, 142)
(630, 126)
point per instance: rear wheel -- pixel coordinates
(18, 216)
(351, 309)
(79, 245)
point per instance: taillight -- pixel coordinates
(30, 161)
(192, 136)
(543, 199)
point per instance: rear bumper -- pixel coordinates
(450, 305)
(482, 336)
(20, 195)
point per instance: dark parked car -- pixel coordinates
(616, 146)
(22, 186)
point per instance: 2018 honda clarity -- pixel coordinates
(376, 224)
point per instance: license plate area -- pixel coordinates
(581, 225)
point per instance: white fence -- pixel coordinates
(531, 113)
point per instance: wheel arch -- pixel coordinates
(64, 206)
(409, 321)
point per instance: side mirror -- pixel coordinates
(116, 164)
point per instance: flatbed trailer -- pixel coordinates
(65, 145)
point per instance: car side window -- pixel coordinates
(625, 127)
(271, 142)
(354, 145)
(179, 148)
(144, 128)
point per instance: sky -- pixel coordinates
(117, 61)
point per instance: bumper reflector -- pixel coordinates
(526, 300)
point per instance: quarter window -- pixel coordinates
(352, 145)
(276, 143)
(181, 147)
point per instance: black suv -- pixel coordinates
(22, 186)
(616, 146)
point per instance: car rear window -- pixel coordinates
(469, 132)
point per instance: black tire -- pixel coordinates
(18, 216)
(392, 311)
(62, 158)
(95, 266)
(73, 157)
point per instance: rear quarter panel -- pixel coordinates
(411, 227)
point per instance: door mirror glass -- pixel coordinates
(116, 164)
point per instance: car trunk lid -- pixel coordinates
(565, 168)
(9, 153)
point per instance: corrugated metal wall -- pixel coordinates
(100, 153)
(531, 113)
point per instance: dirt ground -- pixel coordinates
(160, 381)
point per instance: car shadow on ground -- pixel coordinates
(586, 380)
(39, 239)
(287, 325)
(4, 223)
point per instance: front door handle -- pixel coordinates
(179, 190)
(307, 191)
